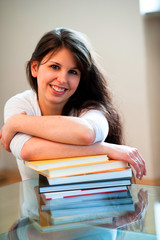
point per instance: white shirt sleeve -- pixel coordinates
(27, 102)
(99, 123)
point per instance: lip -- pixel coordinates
(58, 90)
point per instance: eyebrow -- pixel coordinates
(61, 64)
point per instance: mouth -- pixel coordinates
(58, 90)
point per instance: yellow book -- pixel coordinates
(39, 165)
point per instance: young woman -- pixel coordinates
(68, 110)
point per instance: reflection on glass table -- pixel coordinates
(109, 216)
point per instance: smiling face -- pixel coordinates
(57, 78)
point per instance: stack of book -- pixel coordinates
(90, 189)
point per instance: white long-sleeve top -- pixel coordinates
(27, 102)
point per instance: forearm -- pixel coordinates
(63, 129)
(37, 149)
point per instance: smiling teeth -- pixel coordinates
(58, 89)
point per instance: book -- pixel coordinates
(65, 162)
(110, 165)
(44, 187)
(73, 193)
(126, 174)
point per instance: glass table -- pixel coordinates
(21, 217)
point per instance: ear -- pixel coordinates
(34, 68)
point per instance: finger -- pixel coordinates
(2, 141)
(6, 146)
(137, 167)
(141, 166)
(24, 113)
(135, 163)
(142, 163)
(139, 163)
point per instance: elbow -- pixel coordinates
(29, 150)
(88, 137)
(25, 154)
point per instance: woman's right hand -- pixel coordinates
(6, 134)
(8, 131)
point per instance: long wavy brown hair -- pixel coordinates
(93, 91)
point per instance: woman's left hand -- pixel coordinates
(127, 154)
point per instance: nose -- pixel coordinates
(62, 77)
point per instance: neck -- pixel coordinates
(50, 109)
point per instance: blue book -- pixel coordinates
(44, 187)
(127, 173)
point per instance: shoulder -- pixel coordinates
(92, 113)
(22, 102)
(23, 96)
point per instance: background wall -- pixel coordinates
(117, 32)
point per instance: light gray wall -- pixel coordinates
(116, 31)
(152, 42)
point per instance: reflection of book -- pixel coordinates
(86, 203)
(45, 187)
(48, 222)
(157, 219)
(86, 223)
(92, 210)
(107, 166)
(76, 215)
(43, 222)
(80, 199)
(65, 162)
(44, 217)
(73, 193)
(127, 173)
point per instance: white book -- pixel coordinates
(127, 173)
(65, 172)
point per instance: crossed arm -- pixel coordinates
(61, 136)
(63, 129)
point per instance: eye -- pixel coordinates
(73, 72)
(55, 67)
